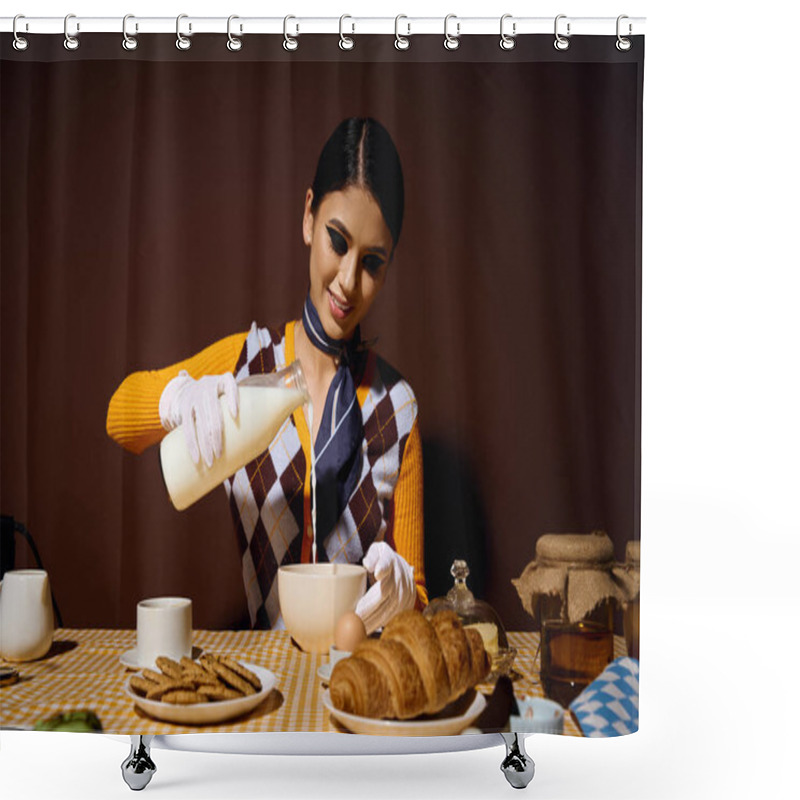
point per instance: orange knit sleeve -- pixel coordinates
(133, 420)
(409, 540)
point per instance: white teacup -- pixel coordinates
(163, 628)
(26, 615)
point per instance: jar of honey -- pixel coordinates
(630, 616)
(571, 590)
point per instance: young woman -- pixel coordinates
(364, 428)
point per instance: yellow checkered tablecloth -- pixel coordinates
(83, 671)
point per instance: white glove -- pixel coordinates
(196, 403)
(393, 589)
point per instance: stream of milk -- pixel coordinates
(313, 484)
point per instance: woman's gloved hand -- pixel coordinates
(196, 402)
(393, 589)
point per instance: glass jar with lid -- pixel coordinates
(477, 614)
(630, 616)
(570, 590)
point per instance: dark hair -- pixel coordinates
(361, 153)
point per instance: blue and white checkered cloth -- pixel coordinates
(609, 705)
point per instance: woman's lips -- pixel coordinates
(339, 310)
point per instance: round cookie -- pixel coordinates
(227, 675)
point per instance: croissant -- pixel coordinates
(417, 667)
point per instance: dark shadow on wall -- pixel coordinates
(455, 519)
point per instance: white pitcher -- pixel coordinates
(26, 615)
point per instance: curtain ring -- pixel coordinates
(401, 42)
(507, 42)
(234, 42)
(561, 43)
(20, 42)
(345, 42)
(182, 42)
(70, 42)
(289, 42)
(129, 42)
(451, 42)
(623, 44)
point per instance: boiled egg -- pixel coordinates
(349, 632)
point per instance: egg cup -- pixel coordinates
(337, 655)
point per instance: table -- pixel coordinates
(83, 671)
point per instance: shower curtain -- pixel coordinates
(153, 205)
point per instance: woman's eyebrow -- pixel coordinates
(346, 233)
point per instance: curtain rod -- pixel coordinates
(298, 25)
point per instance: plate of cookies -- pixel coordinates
(215, 688)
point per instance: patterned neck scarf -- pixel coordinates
(338, 445)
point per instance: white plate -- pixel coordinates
(207, 713)
(130, 658)
(438, 726)
(324, 673)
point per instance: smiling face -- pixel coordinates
(350, 252)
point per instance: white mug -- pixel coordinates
(26, 615)
(163, 628)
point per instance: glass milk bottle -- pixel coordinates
(265, 402)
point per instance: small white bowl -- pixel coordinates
(538, 715)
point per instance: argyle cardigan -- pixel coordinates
(270, 497)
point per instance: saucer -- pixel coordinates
(130, 658)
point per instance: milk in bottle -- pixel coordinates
(265, 402)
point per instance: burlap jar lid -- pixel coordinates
(632, 551)
(576, 548)
(578, 568)
(630, 577)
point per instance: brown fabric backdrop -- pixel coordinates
(152, 203)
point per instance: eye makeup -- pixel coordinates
(372, 263)
(338, 242)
